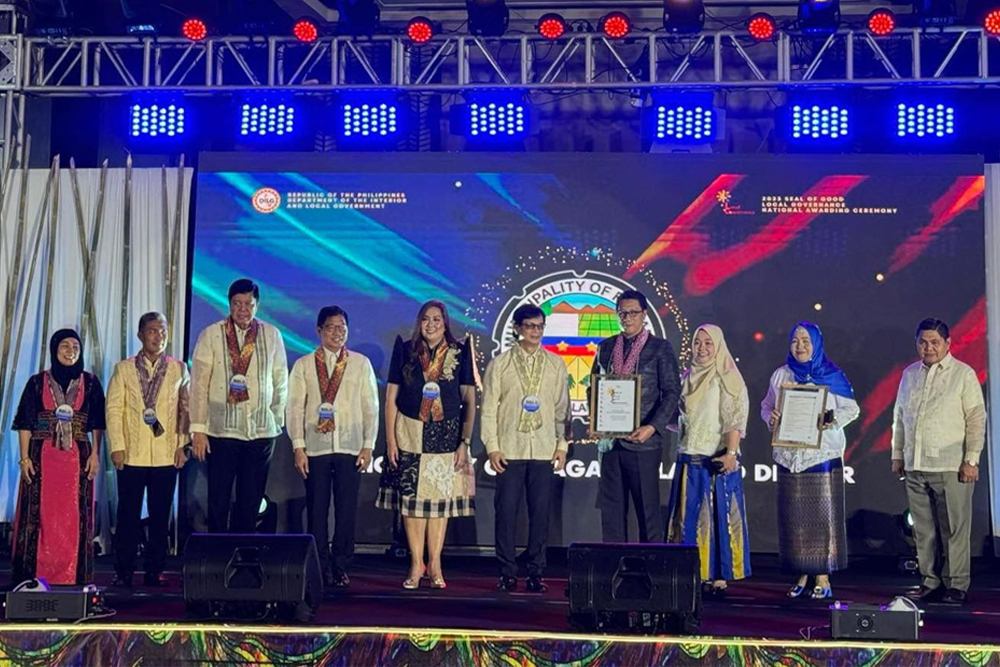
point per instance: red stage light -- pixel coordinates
(758, 336)
(761, 27)
(420, 30)
(194, 29)
(881, 22)
(992, 22)
(616, 25)
(305, 31)
(552, 26)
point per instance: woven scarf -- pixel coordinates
(620, 365)
(530, 375)
(239, 357)
(63, 431)
(432, 409)
(150, 386)
(329, 385)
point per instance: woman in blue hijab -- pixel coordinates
(812, 533)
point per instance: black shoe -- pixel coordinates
(340, 580)
(925, 594)
(122, 581)
(154, 581)
(506, 584)
(955, 596)
(535, 585)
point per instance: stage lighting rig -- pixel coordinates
(935, 12)
(306, 31)
(420, 29)
(616, 25)
(358, 17)
(762, 27)
(488, 18)
(194, 29)
(683, 16)
(881, 22)
(551, 26)
(822, 16)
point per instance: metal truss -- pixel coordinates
(587, 62)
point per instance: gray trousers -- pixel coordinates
(942, 522)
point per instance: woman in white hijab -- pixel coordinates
(706, 498)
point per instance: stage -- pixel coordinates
(376, 622)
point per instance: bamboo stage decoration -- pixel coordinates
(11, 372)
(95, 239)
(165, 243)
(173, 295)
(10, 299)
(127, 256)
(51, 252)
(89, 321)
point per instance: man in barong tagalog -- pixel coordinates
(525, 422)
(333, 422)
(147, 414)
(239, 383)
(630, 465)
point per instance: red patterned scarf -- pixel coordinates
(239, 357)
(620, 365)
(329, 385)
(432, 409)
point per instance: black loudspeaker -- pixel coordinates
(252, 576)
(643, 588)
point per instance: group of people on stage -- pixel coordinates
(240, 395)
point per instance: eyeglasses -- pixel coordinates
(626, 314)
(335, 328)
(531, 326)
(244, 305)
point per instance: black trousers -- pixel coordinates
(336, 475)
(158, 485)
(535, 478)
(626, 473)
(245, 462)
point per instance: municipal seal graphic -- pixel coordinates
(266, 200)
(579, 307)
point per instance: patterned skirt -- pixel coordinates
(708, 509)
(812, 532)
(425, 483)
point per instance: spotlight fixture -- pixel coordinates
(156, 120)
(881, 22)
(819, 15)
(264, 120)
(358, 17)
(683, 16)
(925, 121)
(305, 31)
(420, 30)
(935, 12)
(488, 18)
(616, 25)
(762, 27)
(991, 22)
(194, 29)
(551, 26)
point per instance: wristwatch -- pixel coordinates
(467, 442)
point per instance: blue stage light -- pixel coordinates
(925, 121)
(501, 120)
(687, 123)
(375, 120)
(157, 120)
(265, 120)
(819, 122)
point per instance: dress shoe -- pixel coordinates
(506, 584)
(154, 581)
(122, 581)
(340, 580)
(925, 594)
(535, 585)
(955, 596)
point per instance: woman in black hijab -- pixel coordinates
(59, 461)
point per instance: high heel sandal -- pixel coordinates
(412, 584)
(821, 593)
(438, 582)
(797, 591)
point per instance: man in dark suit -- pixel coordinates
(631, 466)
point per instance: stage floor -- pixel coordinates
(376, 621)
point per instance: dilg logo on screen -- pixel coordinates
(266, 200)
(579, 313)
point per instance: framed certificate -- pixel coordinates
(614, 404)
(802, 407)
